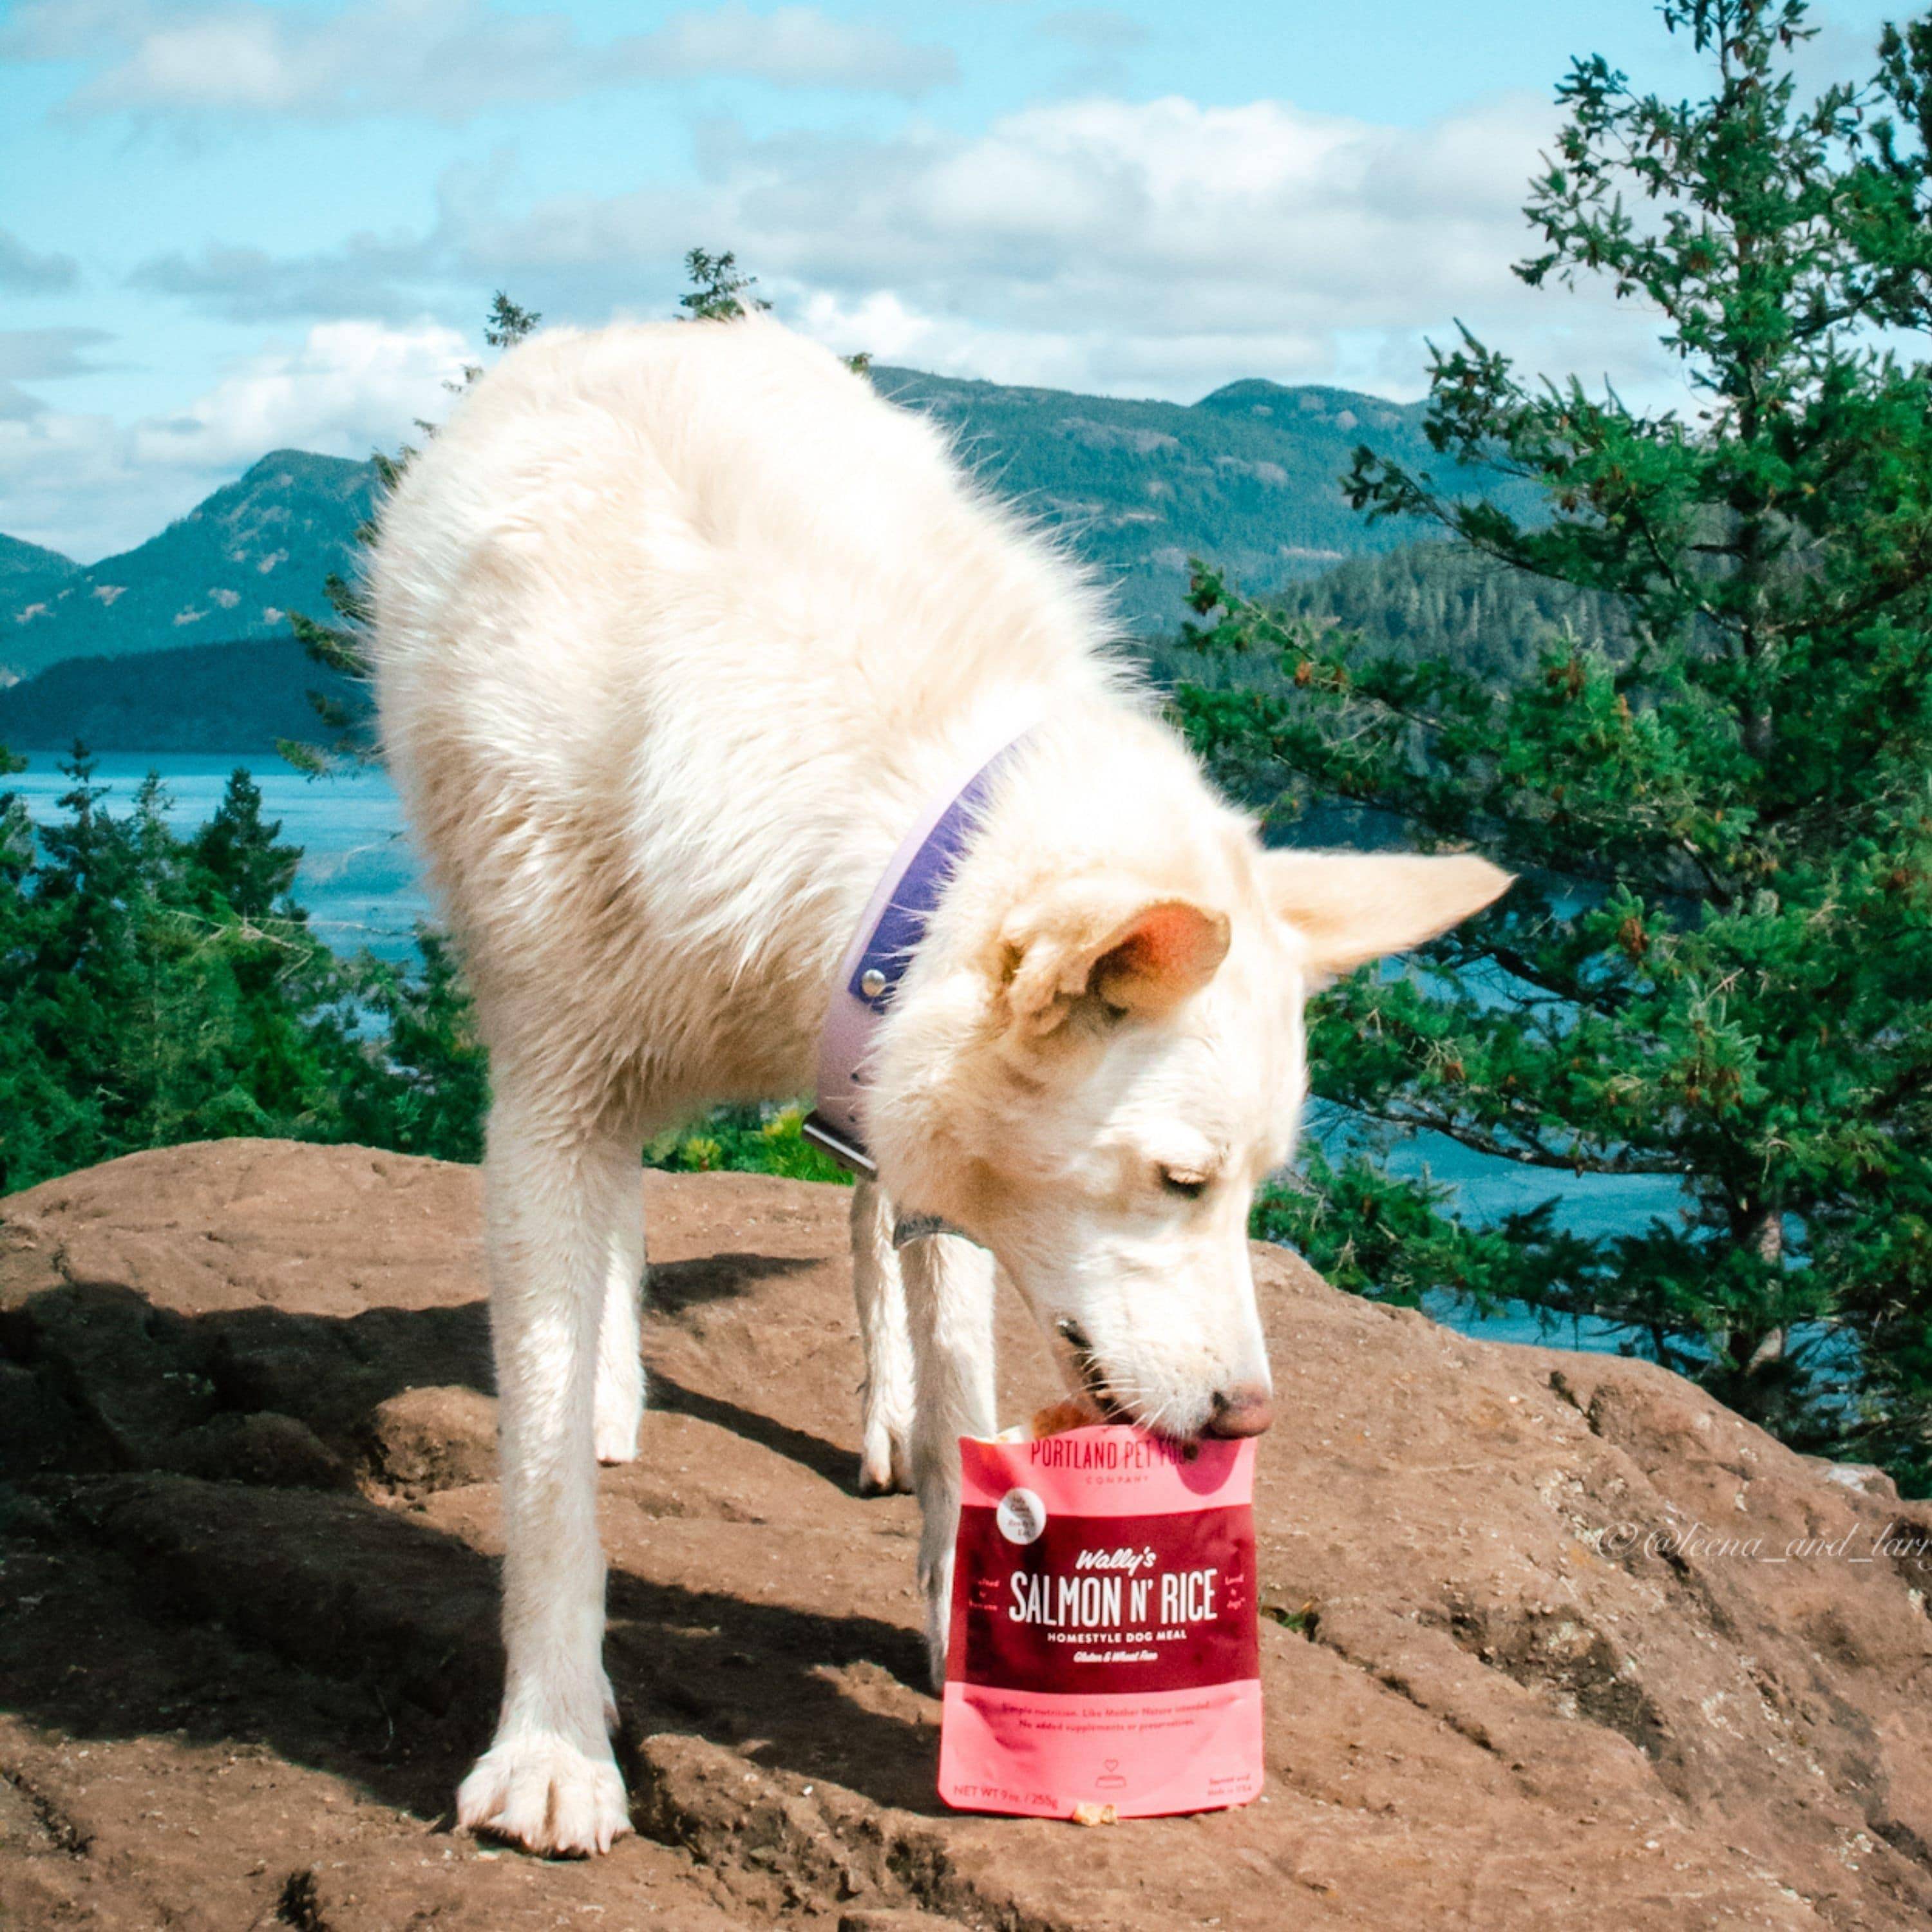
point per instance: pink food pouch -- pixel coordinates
(1103, 1647)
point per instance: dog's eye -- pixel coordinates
(1188, 1186)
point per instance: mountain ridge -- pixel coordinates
(1249, 475)
(238, 562)
(19, 558)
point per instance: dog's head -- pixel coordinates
(1096, 1092)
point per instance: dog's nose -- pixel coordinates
(1246, 1409)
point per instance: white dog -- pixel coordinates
(678, 630)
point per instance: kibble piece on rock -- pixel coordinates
(434, 1438)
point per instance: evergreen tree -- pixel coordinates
(144, 1005)
(426, 1088)
(718, 291)
(33, 1107)
(85, 971)
(241, 855)
(1715, 970)
(161, 989)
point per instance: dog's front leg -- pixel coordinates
(949, 1290)
(879, 1289)
(618, 1409)
(555, 1195)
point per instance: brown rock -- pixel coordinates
(273, 1451)
(434, 1439)
(1557, 1641)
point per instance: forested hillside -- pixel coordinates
(233, 567)
(1250, 475)
(247, 695)
(1431, 597)
(235, 698)
(24, 564)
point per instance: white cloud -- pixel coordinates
(1163, 246)
(446, 59)
(348, 385)
(90, 486)
(1160, 246)
(1153, 248)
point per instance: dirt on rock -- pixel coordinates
(1552, 1639)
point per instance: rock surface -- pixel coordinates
(1555, 1640)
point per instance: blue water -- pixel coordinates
(360, 880)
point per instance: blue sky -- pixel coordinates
(227, 225)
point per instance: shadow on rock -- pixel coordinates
(837, 1464)
(357, 1639)
(677, 1285)
(204, 1536)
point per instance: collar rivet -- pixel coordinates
(871, 982)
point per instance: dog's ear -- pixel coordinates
(1353, 907)
(1141, 956)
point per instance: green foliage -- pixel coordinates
(509, 322)
(146, 1005)
(718, 291)
(163, 989)
(428, 1091)
(505, 326)
(750, 1140)
(1713, 967)
(1398, 1244)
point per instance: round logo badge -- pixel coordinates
(1021, 1516)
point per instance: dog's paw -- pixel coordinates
(615, 1437)
(885, 1459)
(885, 1467)
(547, 1794)
(616, 1416)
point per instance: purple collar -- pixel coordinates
(888, 935)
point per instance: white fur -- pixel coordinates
(676, 629)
